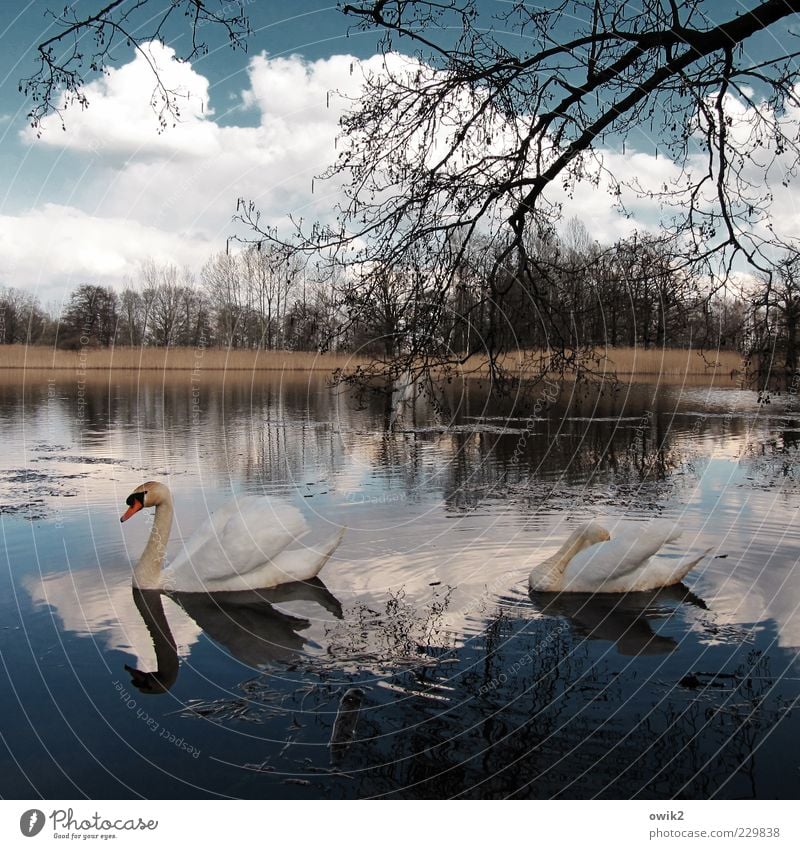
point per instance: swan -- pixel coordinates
(242, 546)
(591, 561)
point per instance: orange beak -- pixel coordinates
(134, 508)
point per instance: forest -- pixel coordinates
(584, 296)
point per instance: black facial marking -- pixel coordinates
(135, 496)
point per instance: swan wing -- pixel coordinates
(237, 538)
(666, 572)
(621, 557)
(298, 564)
(302, 564)
(211, 529)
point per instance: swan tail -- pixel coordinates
(328, 549)
(305, 563)
(686, 565)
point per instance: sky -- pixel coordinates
(91, 203)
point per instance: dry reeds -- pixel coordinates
(671, 362)
(637, 362)
(674, 363)
(169, 359)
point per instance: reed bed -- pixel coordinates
(674, 363)
(169, 359)
(639, 362)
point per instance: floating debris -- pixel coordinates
(220, 710)
(344, 726)
(264, 766)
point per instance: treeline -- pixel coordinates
(572, 293)
(255, 299)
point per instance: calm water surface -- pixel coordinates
(421, 667)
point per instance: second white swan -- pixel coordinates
(242, 546)
(591, 561)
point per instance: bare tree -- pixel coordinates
(487, 127)
(132, 321)
(775, 321)
(167, 313)
(477, 135)
(270, 273)
(314, 320)
(90, 317)
(225, 288)
(84, 43)
(22, 318)
(196, 319)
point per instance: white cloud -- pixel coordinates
(171, 196)
(768, 171)
(54, 248)
(98, 604)
(593, 204)
(287, 87)
(122, 114)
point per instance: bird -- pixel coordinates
(242, 546)
(591, 561)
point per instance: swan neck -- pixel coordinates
(147, 574)
(549, 575)
(571, 547)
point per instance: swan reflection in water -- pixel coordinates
(245, 623)
(623, 619)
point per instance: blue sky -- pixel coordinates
(90, 204)
(57, 190)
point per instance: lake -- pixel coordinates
(419, 665)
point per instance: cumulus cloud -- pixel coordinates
(274, 162)
(122, 116)
(284, 88)
(189, 177)
(171, 195)
(594, 203)
(768, 169)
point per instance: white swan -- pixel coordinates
(591, 561)
(242, 546)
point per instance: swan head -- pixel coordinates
(149, 494)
